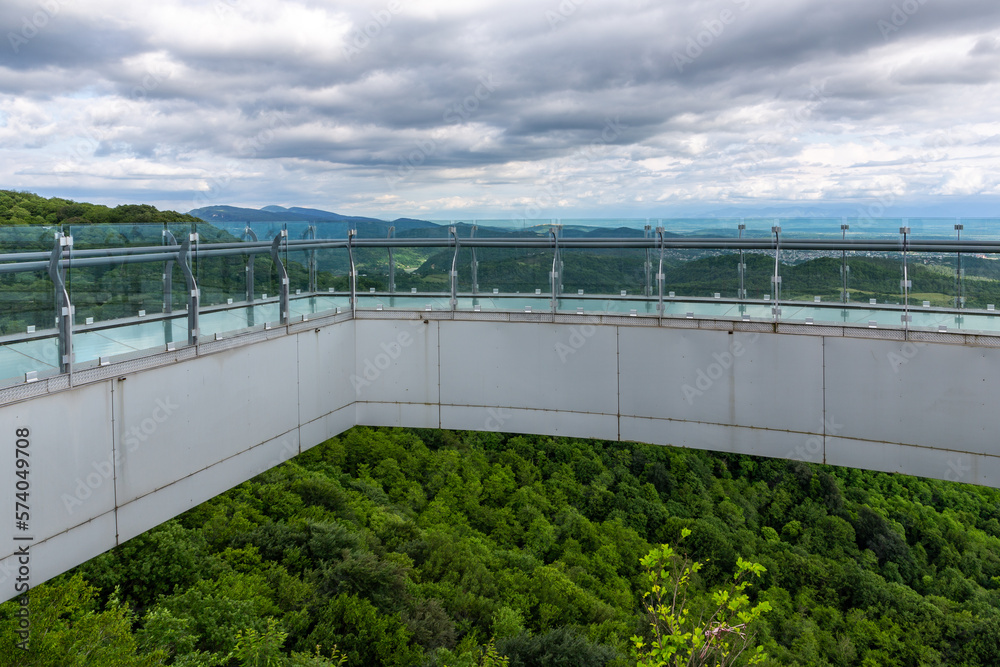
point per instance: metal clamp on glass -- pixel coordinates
(282, 275)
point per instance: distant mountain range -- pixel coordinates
(295, 214)
(234, 218)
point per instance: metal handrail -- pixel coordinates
(35, 261)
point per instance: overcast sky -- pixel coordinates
(512, 109)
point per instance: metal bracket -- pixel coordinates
(310, 233)
(906, 283)
(776, 279)
(282, 275)
(555, 279)
(64, 308)
(454, 270)
(194, 296)
(392, 262)
(168, 275)
(742, 293)
(475, 264)
(660, 278)
(354, 273)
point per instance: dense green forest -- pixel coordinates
(25, 208)
(409, 547)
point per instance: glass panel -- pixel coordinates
(516, 273)
(27, 299)
(372, 263)
(266, 281)
(222, 280)
(117, 289)
(333, 264)
(298, 263)
(426, 269)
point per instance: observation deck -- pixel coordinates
(153, 376)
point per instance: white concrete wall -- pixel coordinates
(115, 457)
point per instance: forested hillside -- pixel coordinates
(25, 208)
(404, 547)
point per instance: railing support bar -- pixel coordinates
(353, 277)
(475, 264)
(454, 268)
(168, 275)
(660, 278)
(776, 279)
(282, 275)
(555, 278)
(905, 231)
(64, 307)
(845, 270)
(392, 262)
(194, 294)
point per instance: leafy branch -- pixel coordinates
(676, 637)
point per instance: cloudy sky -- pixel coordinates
(514, 109)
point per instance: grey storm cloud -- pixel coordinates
(429, 107)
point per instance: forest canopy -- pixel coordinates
(411, 547)
(25, 208)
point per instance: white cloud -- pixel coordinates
(489, 107)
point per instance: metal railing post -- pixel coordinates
(353, 276)
(959, 283)
(845, 270)
(194, 294)
(475, 264)
(168, 275)
(282, 275)
(392, 262)
(660, 278)
(453, 274)
(905, 283)
(555, 283)
(776, 278)
(648, 267)
(311, 233)
(64, 307)
(742, 292)
(248, 235)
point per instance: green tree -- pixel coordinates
(678, 638)
(66, 630)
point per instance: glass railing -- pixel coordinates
(133, 289)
